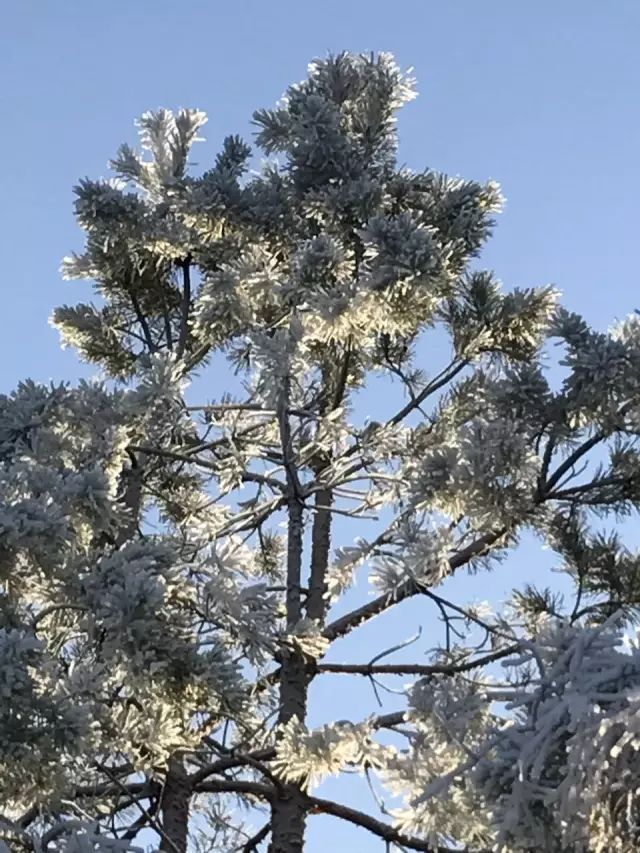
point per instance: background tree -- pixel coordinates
(160, 633)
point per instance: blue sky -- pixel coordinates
(542, 97)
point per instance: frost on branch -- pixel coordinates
(451, 719)
(84, 619)
(572, 751)
(419, 554)
(309, 756)
(559, 771)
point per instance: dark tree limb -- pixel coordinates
(144, 325)
(186, 306)
(231, 762)
(236, 786)
(383, 830)
(247, 477)
(442, 379)
(321, 806)
(414, 668)
(342, 626)
(254, 842)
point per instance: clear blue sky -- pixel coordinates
(543, 97)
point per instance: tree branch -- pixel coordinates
(236, 786)
(407, 589)
(388, 721)
(166, 843)
(571, 460)
(142, 320)
(186, 306)
(445, 376)
(54, 608)
(142, 821)
(230, 762)
(253, 843)
(585, 488)
(377, 827)
(258, 408)
(319, 805)
(140, 790)
(247, 476)
(414, 668)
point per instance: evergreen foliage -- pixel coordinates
(169, 571)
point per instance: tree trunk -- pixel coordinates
(174, 806)
(288, 809)
(288, 821)
(320, 545)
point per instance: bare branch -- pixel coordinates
(585, 488)
(150, 819)
(236, 786)
(377, 827)
(144, 325)
(258, 408)
(318, 805)
(55, 608)
(407, 589)
(445, 376)
(253, 843)
(142, 821)
(388, 721)
(571, 460)
(141, 790)
(414, 668)
(230, 762)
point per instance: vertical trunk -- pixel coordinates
(176, 798)
(288, 811)
(335, 376)
(320, 545)
(288, 818)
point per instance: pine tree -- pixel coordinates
(173, 566)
